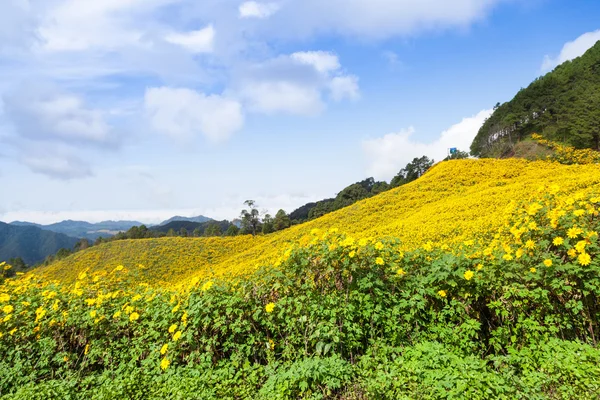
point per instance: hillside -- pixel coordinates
(563, 105)
(83, 229)
(190, 226)
(453, 202)
(483, 272)
(31, 243)
(198, 219)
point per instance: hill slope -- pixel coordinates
(31, 243)
(563, 105)
(453, 202)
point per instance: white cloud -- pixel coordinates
(388, 154)
(184, 113)
(295, 83)
(571, 50)
(200, 41)
(323, 61)
(58, 166)
(377, 18)
(281, 96)
(343, 87)
(43, 112)
(253, 9)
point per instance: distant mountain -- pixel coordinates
(562, 106)
(190, 226)
(82, 229)
(31, 243)
(200, 219)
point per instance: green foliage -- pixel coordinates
(338, 319)
(563, 105)
(413, 171)
(31, 243)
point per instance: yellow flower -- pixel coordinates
(507, 257)
(442, 293)
(172, 328)
(468, 274)
(134, 316)
(82, 275)
(548, 262)
(207, 286)
(352, 254)
(164, 364)
(8, 309)
(401, 272)
(4, 298)
(479, 267)
(87, 349)
(578, 213)
(117, 314)
(572, 253)
(379, 246)
(379, 261)
(363, 242)
(39, 313)
(270, 307)
(93, 313)
(584, 259)
(532, 270)
(176, 308)
(164, 348)
(580, 246)
(574, 232)
(558, 241)
(176, 336)
(519, 253)
(530, 244)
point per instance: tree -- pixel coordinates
(413, 171)
(250, 218)
(82, 244)
(171, 232)
(183, 232)
(268, 224)
(281, 221)
(213, 229)
(232, 230)
(197, 232)
(457, 155)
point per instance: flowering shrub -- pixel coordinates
(568, 154)
(504, 309)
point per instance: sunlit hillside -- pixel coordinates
(454, 201)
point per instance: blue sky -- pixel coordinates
(142, 109)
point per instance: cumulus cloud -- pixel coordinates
(48, 128)
(344, 87)
(58, 166)
(323, 61)
(200, 41)
(253, 9)
(43, 112)
(389, 154)
(377, 18)
(571, 50)
(184, 113)
(296, 83)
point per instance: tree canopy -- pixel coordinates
(563, 106)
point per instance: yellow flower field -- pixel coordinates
(455, 201)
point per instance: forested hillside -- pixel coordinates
(563, 105)
(31, 243)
